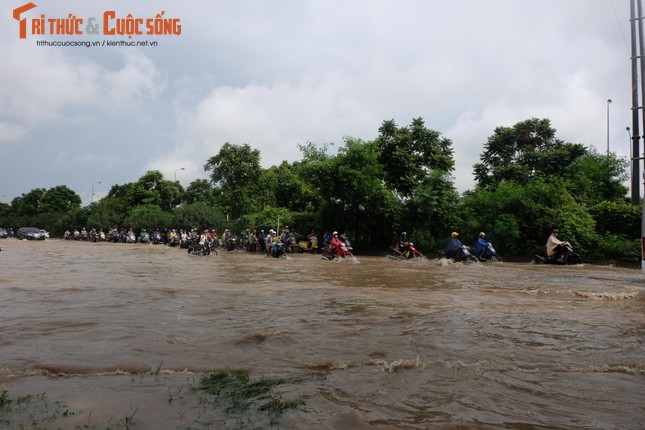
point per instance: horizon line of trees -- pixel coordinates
(527, 182)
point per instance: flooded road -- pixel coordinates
(113, 335)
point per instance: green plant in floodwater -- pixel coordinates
(243, 396)
(4, 399)
(31, 412)
(276, 406)
(128, 421)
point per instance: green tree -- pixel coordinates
(282, 186)
(594, 178)
(268, 217)
(148, 216)
(153, 189)
(354, 195)
(527, 151)
(316, 169)
(407, 154)
(199, 215)
(431, 212)
(617, 218)
(59, 199)
(28, 204)
(109, 212)
(5, 213)
(519, 217)
(119, 191)
(234, 173)
(200, 190)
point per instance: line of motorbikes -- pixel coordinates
(293, 243)
(465, 254)
(114, 236)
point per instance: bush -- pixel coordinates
(614, 247)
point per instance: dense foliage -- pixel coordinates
(527, 182)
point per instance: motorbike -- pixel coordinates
(156, 237)
(252, 244)
(308, 245)
(461, 255)
(491, 255)
(343, 252)
(174, 241)
(230, 244)
(409, 252)
(198, 249)
(144, 237)
(289, 242)
(565, 256)
(130, 237)
(276, 250)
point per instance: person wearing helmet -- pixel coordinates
(404, 244)
(481, 247)
(453, 245)
(336, 243)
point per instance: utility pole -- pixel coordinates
(635, 186)
(636, 157)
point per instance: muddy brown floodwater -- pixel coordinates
(120, 336)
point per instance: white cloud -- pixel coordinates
(275, 74)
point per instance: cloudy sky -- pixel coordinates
(278, 73)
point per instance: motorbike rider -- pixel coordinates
(555, 247)
(273, 244)
(262, 240)
(204, 238)
(453, 245)
(481, 247)
(284, 237)
(313, 239)
(326, 238)
(229, 240)
(404, 244)
(336, 244)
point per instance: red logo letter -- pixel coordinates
(23, 22)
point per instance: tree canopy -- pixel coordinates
(524, 152)
(407, 154)
(234, 173)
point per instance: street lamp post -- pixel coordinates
(608, 103)
(181, 168)
(93, 190)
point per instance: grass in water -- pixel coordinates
(225, 395)
(244, 397)
(31, 412)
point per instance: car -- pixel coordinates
(3, 233)
(30, 233)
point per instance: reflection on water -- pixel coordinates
(111, 328)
